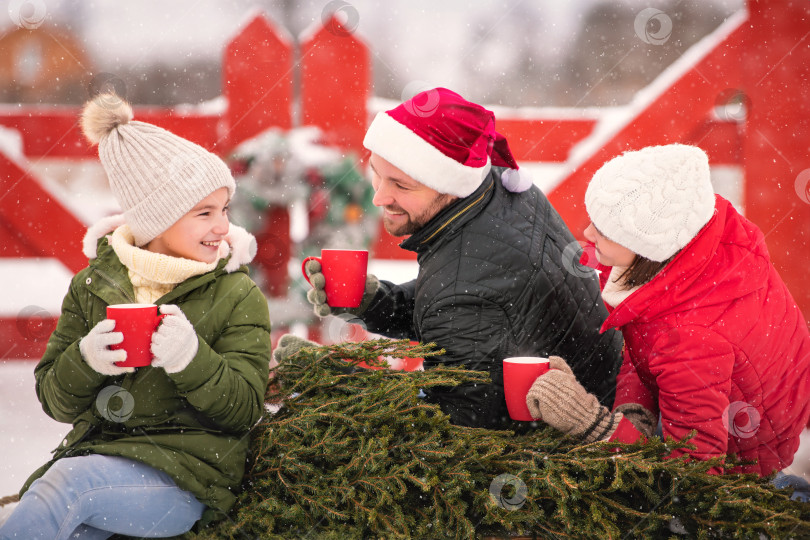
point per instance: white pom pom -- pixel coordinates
(102, 115)
(516, 181)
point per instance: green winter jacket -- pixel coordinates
(193, 425)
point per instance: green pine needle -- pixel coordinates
(358, 454)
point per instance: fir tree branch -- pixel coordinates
(355, 453)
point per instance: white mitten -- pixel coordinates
(95, 349)
(174, 343)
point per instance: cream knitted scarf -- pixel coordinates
(154, 274)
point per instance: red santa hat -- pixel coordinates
(444, 142)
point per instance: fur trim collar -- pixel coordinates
(242, 244)
(243, 247)
(94, 233)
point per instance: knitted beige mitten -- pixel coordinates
(560, 401)
(643, 419)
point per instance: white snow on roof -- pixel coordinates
(616, 119)
(11, 144)
(33, 286)
(214, 107)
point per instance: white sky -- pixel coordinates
(426, 40)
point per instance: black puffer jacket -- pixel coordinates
(496, 280)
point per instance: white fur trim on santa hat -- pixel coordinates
(653, 201)
(420, 160)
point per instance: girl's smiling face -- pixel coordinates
(198, 234)
(609, 252)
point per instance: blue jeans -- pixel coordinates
(94, 497)
(800, 486)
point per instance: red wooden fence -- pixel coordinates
(257, 69)
(259, 65)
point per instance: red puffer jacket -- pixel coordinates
(718, 345)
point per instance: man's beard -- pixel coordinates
(414, 223)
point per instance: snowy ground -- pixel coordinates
(28, 434)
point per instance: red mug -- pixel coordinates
(345, 273)
(519, 373)
(137, 322)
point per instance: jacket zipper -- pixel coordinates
(463, 210)
(115, 284)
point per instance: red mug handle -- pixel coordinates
(304, 264)
(160, 317)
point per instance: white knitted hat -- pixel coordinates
(652, 201)
(156, 176)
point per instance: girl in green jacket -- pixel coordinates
(153, 449)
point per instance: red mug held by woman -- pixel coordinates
(519, 373)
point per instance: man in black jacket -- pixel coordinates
(492, 279)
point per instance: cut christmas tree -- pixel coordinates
(359, 454)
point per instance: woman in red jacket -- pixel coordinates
(713, 340)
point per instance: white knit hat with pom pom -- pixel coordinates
(653, 201)
(156, 176)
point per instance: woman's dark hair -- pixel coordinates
(641, 271)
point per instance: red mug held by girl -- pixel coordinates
(137, 322)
